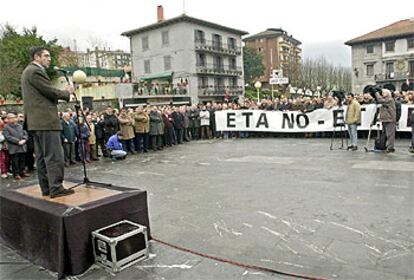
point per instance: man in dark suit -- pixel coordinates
(42, 121)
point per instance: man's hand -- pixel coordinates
(70, 89)
(22, 142)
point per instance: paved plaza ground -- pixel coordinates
(283, 203)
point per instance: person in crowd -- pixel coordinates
(92, 138)
(114, 147)
(42, 121)
(141, 125)
(411, 149)
(68, 136)
(211, 109)
(205, 123)
(194, 122)
(169, 132)
(82, 134)
(156, 130)
(178, 123)
(388, 117)
(353, 119)
(111, 125)
(186, 123)
(100, 134)
(16, 138)
(29, 156)
(330, 102)
(126, 126)
(4, 153)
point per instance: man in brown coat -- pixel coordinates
(42, 121)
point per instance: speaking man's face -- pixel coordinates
(43, 59)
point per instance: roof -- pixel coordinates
(182, 18)
(272, 33)
(161, 75)
(399, 29)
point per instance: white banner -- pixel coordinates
(296, 121)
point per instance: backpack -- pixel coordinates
(380, 142)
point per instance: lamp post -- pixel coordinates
(258, 85)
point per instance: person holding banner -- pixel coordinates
(353, 119)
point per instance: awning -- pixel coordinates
(161, 75)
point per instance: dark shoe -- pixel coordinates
(349, 147)
(67, 164)
(45, 194)
(62, 193)
(411, 149)
(354, 148)
(17, 177)
(73, 162)
(145, 151)
(95, 159)
(390, 151)
(24, 174)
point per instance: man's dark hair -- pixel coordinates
(36, 51)
(351, 94)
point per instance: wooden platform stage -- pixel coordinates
(56, 233)
(83, 194)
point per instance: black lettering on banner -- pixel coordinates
(410, 117)
(247, 115)
(290, 121)
(303, 116)
(231, 117)
(262, 122)
(338, 118)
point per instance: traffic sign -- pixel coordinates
(278, 81)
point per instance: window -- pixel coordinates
(389, 70)
(145, 43)
(231, 43)
(165, 38)
(199, 36)
(232, 64)
(216, 41)
(370, 49)
(218, 63)
(389, 46)
(203, 82)
(167, 62)
(234, 82)
(411, 68)
(370, 70)
(410, 43)
(260, 49)
(147, 66)
(201, 59)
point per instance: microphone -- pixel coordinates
(58, 69)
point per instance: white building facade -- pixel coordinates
(384, 57)
(187, 57)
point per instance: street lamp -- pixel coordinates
(258, 85)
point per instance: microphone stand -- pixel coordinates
(78, 108)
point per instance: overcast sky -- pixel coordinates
(92, 21)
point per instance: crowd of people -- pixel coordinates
(116, 133)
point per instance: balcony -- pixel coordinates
(219, 70)
(217, 47)
(219, 90)
(394, 76)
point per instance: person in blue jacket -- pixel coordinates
(114, 146)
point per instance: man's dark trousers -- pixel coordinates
(49, 160)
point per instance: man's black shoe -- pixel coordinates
(349, 147)
(390, 151)
(62, 193)
(45, 194)
(354, 148)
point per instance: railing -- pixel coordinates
(215, 69)
(219, 90)
(393, 76)
(217, 47)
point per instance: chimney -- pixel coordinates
(160, 13)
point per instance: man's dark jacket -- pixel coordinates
(40, 99)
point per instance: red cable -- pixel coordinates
(237, 263)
